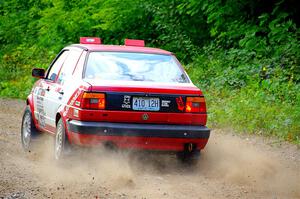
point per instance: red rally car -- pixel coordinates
(129, 97)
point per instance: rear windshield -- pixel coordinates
(134, 67)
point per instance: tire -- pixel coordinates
(188, 158)
(28, 130)
(61, 144)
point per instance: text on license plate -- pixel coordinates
(145, 104)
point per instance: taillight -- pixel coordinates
(93, 100)
(195, 105)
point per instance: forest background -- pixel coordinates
(243, 54)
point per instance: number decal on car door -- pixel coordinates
(40, 106)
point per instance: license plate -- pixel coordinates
(145, 104)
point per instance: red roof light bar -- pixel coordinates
(134, 42)
(90, 40)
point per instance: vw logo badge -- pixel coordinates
(145, 116)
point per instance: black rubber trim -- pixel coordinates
(138, 130)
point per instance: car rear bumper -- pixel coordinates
(140, 136)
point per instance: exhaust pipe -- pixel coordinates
(189, 147)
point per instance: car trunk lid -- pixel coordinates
(149, 102)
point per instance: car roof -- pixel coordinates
(121, 48)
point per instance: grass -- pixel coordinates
(248, 111)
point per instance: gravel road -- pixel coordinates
(232, 166)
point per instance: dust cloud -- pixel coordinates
(228, 161)
(243, 162)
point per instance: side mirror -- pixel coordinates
(38, 72)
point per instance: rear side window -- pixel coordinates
(56, 66)
(134, 67)
(69, 66)
(80, 65)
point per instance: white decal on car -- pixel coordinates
(71, 102)
(126, 102)
(165, 103)
(40, 93)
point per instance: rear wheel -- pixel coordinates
(28, 130)
(61, 145)
(190, 155)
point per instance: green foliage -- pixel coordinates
(254, 111)
(238, 97)
(243, 54)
